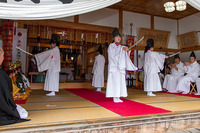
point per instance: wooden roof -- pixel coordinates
(153, 7)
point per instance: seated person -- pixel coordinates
(17, 81)
(11, 74)
(192, 73)
(168, 70)
(8, 109)
(171, 80)
(25, 80)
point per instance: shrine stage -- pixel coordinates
(74, 111)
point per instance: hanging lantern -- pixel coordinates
(180, 5)
(169, 6)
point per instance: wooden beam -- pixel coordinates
(152, 22)
(76, 19)
(61, 46)
(121, 23)
(65, 24)
(158, 49)
(190, 49)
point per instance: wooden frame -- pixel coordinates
(188, 40)
(161, 38)
(66, 24)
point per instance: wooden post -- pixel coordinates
(121, 23)
(152, 22)
(179, 45)
(76, 19)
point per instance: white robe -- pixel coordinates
(22, 112)
(119, 62)
(98, 71)
(171, 80)
(192, 73)
(50, 61)
(153, 63)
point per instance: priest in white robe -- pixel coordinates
(98, 70)
(153, 63)
(171, 80)
(192, 73)
(50, 61)
(119, 62)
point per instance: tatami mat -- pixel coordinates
(66, 107)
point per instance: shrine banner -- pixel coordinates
(20, 40)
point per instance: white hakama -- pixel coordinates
(50, 61)
(192, 73)
(171, 80)
(153, 63)
(119, 62)
(98, 71)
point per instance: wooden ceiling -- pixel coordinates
(153, 7)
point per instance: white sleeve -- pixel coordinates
(43, 59)
(160, 59)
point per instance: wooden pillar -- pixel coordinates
(121, 23)
(178, 34)
(76, 19)
(152, 22)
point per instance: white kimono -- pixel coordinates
(98, 71)
(50, 61)
(119, 62)
(171, 80)
(192, 73)
(153, 63)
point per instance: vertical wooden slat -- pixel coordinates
(76, 19)
(121, 23)
(152, 22)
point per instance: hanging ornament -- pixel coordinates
(81, 49)
(39, 46)
(47, 32)
(63, 35)
(97, 38)
(71, 48)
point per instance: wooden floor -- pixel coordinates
(66, 107)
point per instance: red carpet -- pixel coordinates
(127, 108)
(21, 101)
(189, 95)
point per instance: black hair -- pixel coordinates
(116, 33)
(55, 38)
(193, 54)
(150, 44)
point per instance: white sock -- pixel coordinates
(149, 93)
(184, 93)
(115, 99)
(51, 93)
(98, 89)
(118, 98)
